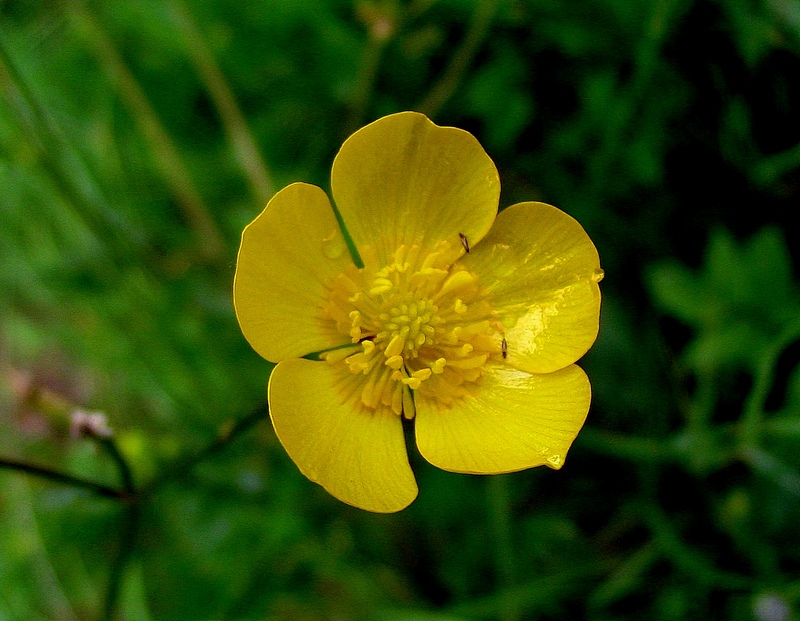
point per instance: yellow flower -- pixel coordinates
(467, 321)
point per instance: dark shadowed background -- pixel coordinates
(138, 138)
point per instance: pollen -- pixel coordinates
(419, 323)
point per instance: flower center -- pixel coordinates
(420, 323)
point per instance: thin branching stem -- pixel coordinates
(764, 375)
(65, 479)
(129, 528)
(185, 464)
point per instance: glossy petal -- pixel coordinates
(516, 420)
(287, 255)
(542, 271)
(403, 179)
(357, 455)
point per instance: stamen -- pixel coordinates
(432, 325)
(395, 346)
(456, 281)
(380, 286)
(395, 362)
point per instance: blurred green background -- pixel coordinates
(138, 138)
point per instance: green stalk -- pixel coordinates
(461, 60)
(233, 120)
(197, 214)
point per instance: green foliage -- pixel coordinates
(741, 301)
(137, 139)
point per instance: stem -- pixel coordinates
(177, 177)
(365, 82)
(225, 437)
(754, 405)
(125, 474)
(772, 468)
(448, 82)
(684, 557)
(65, 165)
(500, 519)
(234, 122)
(129, 530)
(644, 450)
(66, 479)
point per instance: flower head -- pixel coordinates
(440, 310)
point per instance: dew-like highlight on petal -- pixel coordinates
(555, 461)
(333, 246)
(419, 323)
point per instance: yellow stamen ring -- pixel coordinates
(422, 324)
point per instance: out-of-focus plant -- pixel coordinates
(743, 308)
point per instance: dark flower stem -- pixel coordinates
(65, 479)
(130, 495)
(226, 435)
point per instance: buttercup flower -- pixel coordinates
(440, 310)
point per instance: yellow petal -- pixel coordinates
(404, 180)
(515, 421)
(358, 455)
(542, 272)
(287, 255)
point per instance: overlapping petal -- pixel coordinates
(542, 272)
(403, 180)
(402, 186)
(287, 256)
(358, 455)
(518, 420)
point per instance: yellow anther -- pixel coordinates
(337, 354)
(395, 362)
(422, 374)
(468, 363)
(412, 382)
(420, 312)
(438, 366)
(465, 349)
(397, 399)
(427, 276)
(416, 378)
(395, 346)
(430, 260)
(380, 286)
(359, 363)
(456, 281)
